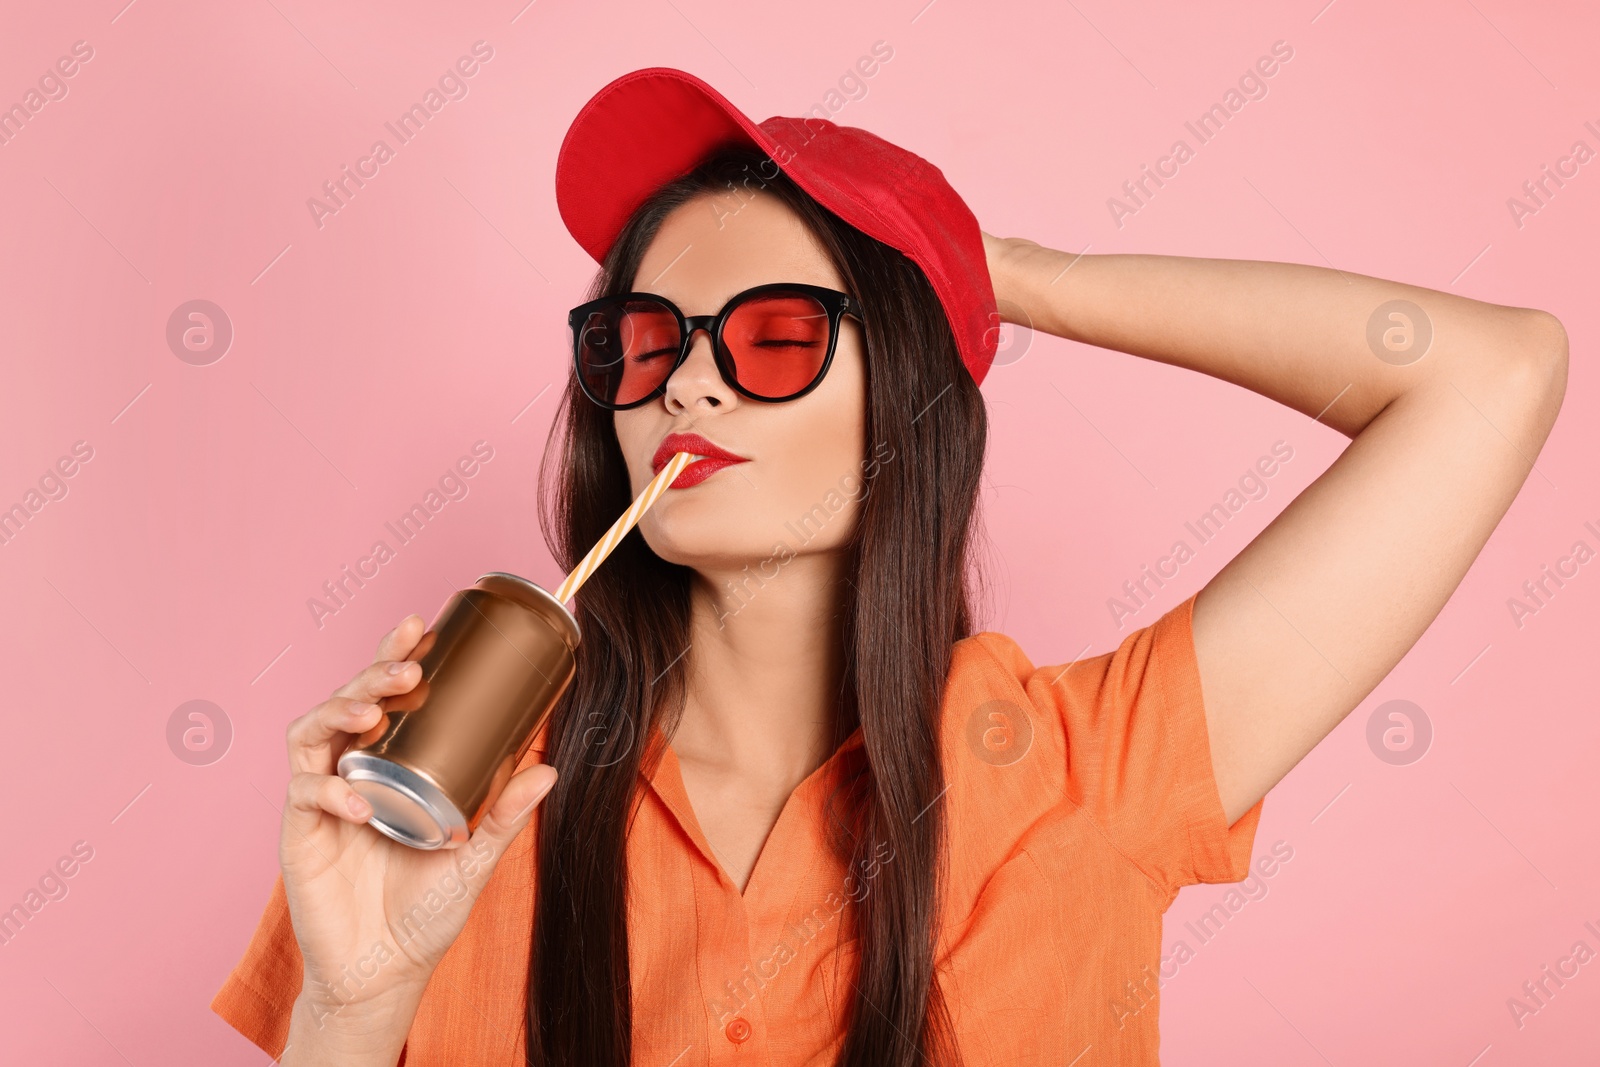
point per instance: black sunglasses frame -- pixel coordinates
(835, 303)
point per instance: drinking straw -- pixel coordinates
(619, 529)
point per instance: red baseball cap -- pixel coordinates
(653, 125)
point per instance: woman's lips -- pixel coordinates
(700, 470)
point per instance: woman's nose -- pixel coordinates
(698, 376)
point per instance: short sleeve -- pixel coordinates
(1139, 754)
(258, 997)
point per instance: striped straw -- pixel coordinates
(620, 528)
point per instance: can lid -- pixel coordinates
(534, 598)
(406, 806)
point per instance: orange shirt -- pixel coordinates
(1081, 798)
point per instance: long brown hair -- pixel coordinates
(910, 575)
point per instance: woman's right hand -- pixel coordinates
(366, 910)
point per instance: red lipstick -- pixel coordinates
(714, 458)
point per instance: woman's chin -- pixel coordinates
(712, 548)
(692, 544)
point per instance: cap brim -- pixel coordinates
(634, 135)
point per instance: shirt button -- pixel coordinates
(738, 1031)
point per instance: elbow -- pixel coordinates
(1551, 344)
(1546, 339)
(1536, 363)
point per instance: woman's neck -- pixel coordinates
(764, 669)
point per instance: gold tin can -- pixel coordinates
(494, 662)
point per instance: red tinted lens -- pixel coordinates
(777, 342)
(627, 350)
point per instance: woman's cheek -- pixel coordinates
(824, 513)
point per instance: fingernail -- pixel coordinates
(539, 795)
(358, 807)
(398, 666)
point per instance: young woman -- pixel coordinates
(806, 815)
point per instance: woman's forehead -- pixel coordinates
(719, 244)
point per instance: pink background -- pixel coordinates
(428, 314)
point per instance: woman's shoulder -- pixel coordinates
(997, 658)
(1119, 735)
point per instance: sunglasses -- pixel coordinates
(771, 343)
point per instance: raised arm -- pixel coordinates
(1305, 621)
